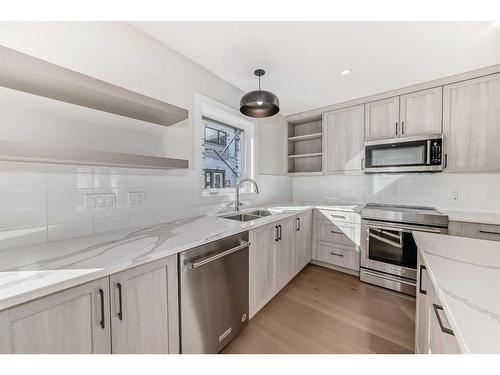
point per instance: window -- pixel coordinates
(215, 136)
(222, 157)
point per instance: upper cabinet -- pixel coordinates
(382, 119)
(345, 137)
(421, 112)
(416, 113)
(471, 125)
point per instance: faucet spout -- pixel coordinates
(237, 202)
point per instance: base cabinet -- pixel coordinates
(144, 309)
(433, 334)
(261, 263)
(278, 252)
(74, 321)
(134, 311)
(303, 240)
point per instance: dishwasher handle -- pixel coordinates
(202, 262)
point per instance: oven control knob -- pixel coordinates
(243, 317)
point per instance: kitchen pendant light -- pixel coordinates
(259, 103)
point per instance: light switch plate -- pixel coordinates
(453, 194)
(99, 202)
(136, 198)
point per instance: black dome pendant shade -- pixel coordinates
(259, 103)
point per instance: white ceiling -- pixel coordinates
(303, 60)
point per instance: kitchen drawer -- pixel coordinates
(338, 216)
(474, 230)
(340, 233)
(342, 256)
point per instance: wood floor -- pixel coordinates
(325, 311)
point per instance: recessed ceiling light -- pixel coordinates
(345, 72)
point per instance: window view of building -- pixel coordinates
(222, 162)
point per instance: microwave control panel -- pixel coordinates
(436, 151)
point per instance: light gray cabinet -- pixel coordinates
(422, 310)
(433, 334)
(421, 112)
(278, 251)
(471, 125)
(262, 277)
(345, 138)
(74, 321)
(303, 240)
(285, 252)
(474, 230)
(144, 308)
(382, 119)
(416, 113)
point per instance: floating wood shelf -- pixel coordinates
(305, 137)
(305, 155)
(26, 73)
(54, 154)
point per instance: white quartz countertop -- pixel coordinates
(474, 217)
(32, 272)
(466, 275)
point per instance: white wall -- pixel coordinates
(43, 203)
(476, 192)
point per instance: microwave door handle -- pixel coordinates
(428, 152)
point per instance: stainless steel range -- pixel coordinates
(388, 250)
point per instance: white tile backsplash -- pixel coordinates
(40, 203)
(476, 192)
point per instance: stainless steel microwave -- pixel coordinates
(409, 154)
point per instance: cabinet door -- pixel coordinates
(262, 280)
(74, 321)
(382, 119)
(303, 240)
(144, 312)
(422, 313)
(421, 112)
(441, 338)
(471, 125)
(285, 252)
(345, 130)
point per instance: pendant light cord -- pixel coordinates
(259, 83)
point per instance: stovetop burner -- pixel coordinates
(405, 214)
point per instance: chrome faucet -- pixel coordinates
(237, 203)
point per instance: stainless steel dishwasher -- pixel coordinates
(213, 281)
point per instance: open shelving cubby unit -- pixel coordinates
(305, 139)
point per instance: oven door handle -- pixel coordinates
(389, 242)
(407, 228)
(389, 278)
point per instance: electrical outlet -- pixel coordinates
(136, 198)
(453, 194)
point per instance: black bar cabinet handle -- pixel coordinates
(402, 127)
(120, 311)
(443, 328)
(279, 226)
(396, 128)
(276, 234)
(298, 223)
(420, 290)
(101, 294)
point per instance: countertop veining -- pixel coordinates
(31, 272)
(466, 275)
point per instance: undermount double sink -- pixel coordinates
(248, 216)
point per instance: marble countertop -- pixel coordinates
(32, 272)
(466, 275)
(474, 217)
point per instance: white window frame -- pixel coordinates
(212, 109)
